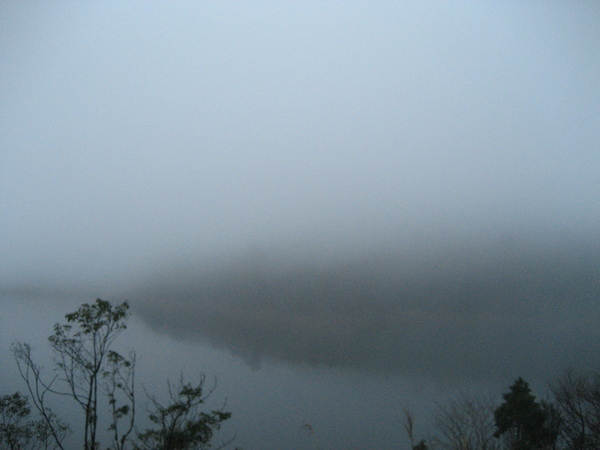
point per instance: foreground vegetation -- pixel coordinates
(570, 419)
(101, 382)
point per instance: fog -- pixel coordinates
(311, 191)
(477, 313)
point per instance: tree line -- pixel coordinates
(99, 379)
(569, 419)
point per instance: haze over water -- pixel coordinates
(309, 199)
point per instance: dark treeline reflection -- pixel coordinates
(469, 311)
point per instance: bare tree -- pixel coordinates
(577, 398)
(465, 423)
(54, 429)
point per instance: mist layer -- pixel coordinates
(478, 310)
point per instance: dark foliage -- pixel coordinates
(524, 423)
(87, 369)
(180, 424)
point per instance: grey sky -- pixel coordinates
(444, 156)
(130, 133)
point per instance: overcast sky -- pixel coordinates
(313, 183)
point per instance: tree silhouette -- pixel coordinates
(577, 398)
(180, 424)
(87, 369)
(523, 422)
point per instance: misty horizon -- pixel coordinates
(385, 197)
(476, 311)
